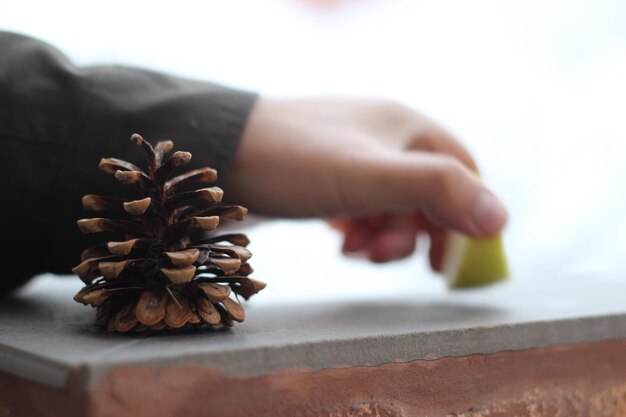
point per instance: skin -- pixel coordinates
(381, 173)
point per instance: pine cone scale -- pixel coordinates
(112, 165)
(183, 258)
(178, 313)
(180, 275)
(150, 308)
(122, 248)
(207, 311)
(215, 292)
(202, 175)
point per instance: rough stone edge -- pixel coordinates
(576, 380)
(33, 367)
(378, 350)
(20, 397)
(366, 351)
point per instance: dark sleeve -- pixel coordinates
(56, 122)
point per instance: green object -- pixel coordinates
(474, 262)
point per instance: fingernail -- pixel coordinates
(489, 214)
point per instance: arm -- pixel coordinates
(56, 122)
(383, 172)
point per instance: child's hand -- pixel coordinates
(382, 171)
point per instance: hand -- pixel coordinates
(382, 172)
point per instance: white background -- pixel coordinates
(536, 89)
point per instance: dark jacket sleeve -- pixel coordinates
(56, 122)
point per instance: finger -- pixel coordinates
(381, 238)
(392, 243)
(438, 140)
(342, 225)
(359, 231)
(439, 186)
(437, 240)
(357, 238)
(355, 232)
(437, 247)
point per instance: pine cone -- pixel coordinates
(167, 272)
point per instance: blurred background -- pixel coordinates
(535, 89)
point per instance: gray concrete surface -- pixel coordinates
(44, 334)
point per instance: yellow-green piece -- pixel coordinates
(471, 262)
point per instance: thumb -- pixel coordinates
(437, 185)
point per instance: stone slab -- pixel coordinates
(45, 336)
(575, 380)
